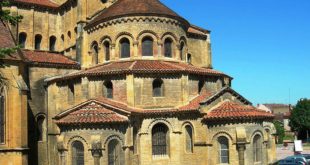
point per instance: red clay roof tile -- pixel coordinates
(141, 66)
(44, 57)
(7, 41)
(232, 110)
(135, 7)
(45, 3)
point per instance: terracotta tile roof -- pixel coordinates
(134, 8)
(44, 57)
(45, 3)
(271, 106)
(7, 41)
(141, 66)
(231, 110)
(197, 30)
(195, 103)
(90, 113)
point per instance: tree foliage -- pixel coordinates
(280, 131)
(6, 16)
(300, 116)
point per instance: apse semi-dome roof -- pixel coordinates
(136, 8)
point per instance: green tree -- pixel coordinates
(280, 131)
(6, 16)
(300, 116)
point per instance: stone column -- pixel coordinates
(62, 155)
(159, 49)
(135, 49)
(96, 154)
(241, 149)
(113, 53)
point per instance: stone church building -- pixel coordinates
(120, 82)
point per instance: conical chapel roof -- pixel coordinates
(136, 7)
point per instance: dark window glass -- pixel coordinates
(95, 53)
(158, 88)
(107, 51)
(182, 51)
(125, 48)
(168, 47)
(40, 122)
(257, 148)
(108, 89)
(189, 58)
(114, 153)
(77, 153)
(52, 43)
(200, 86)
(70, 92)
(22, 37)
(135, 140)
(223, 149)
(147, 47)
(189, 138)
(38, 40)
(160, 140)
(2, 119)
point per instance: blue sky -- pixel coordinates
(263, 44)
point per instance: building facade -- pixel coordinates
(126, 82)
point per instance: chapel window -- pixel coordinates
(108, 89)
(168, 48)
(114, 153)
(182, 48)
(257, 148)
(189, 58)
(40, 124)
(160, 140)
(147, 46)
(77, 153)
(95, 52)
(189, 138)
(71, 93)
(223, 149)
(38, 40)
(52, 43)
(158, 88)
(2, 116)
(106, 46)
(200, 86)
(125, 48)
(22, 37)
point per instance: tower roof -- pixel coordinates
(134, 8)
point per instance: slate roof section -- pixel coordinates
(141, 66)
(91, 113)
(44, 3)
(123, 8)
(48, 58)
(7, 41)
(233, 111)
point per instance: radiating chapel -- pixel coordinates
(120, 82)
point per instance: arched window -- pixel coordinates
(52, 43)
(106, 46)
(200, 86)
(160, 140)
(2, 116)
(22, 37)
(37, 42)
(189, 58)
(40, 124)
(108, 89)
(77, 153)
(168, 48)
(70, 92)
(257, 148)
(147, 46)
(125, 48)
(95, 53)
(114, 152)
(189, 138)
(223, 149)
(69, 36)
(158, 88)
(182, 47)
